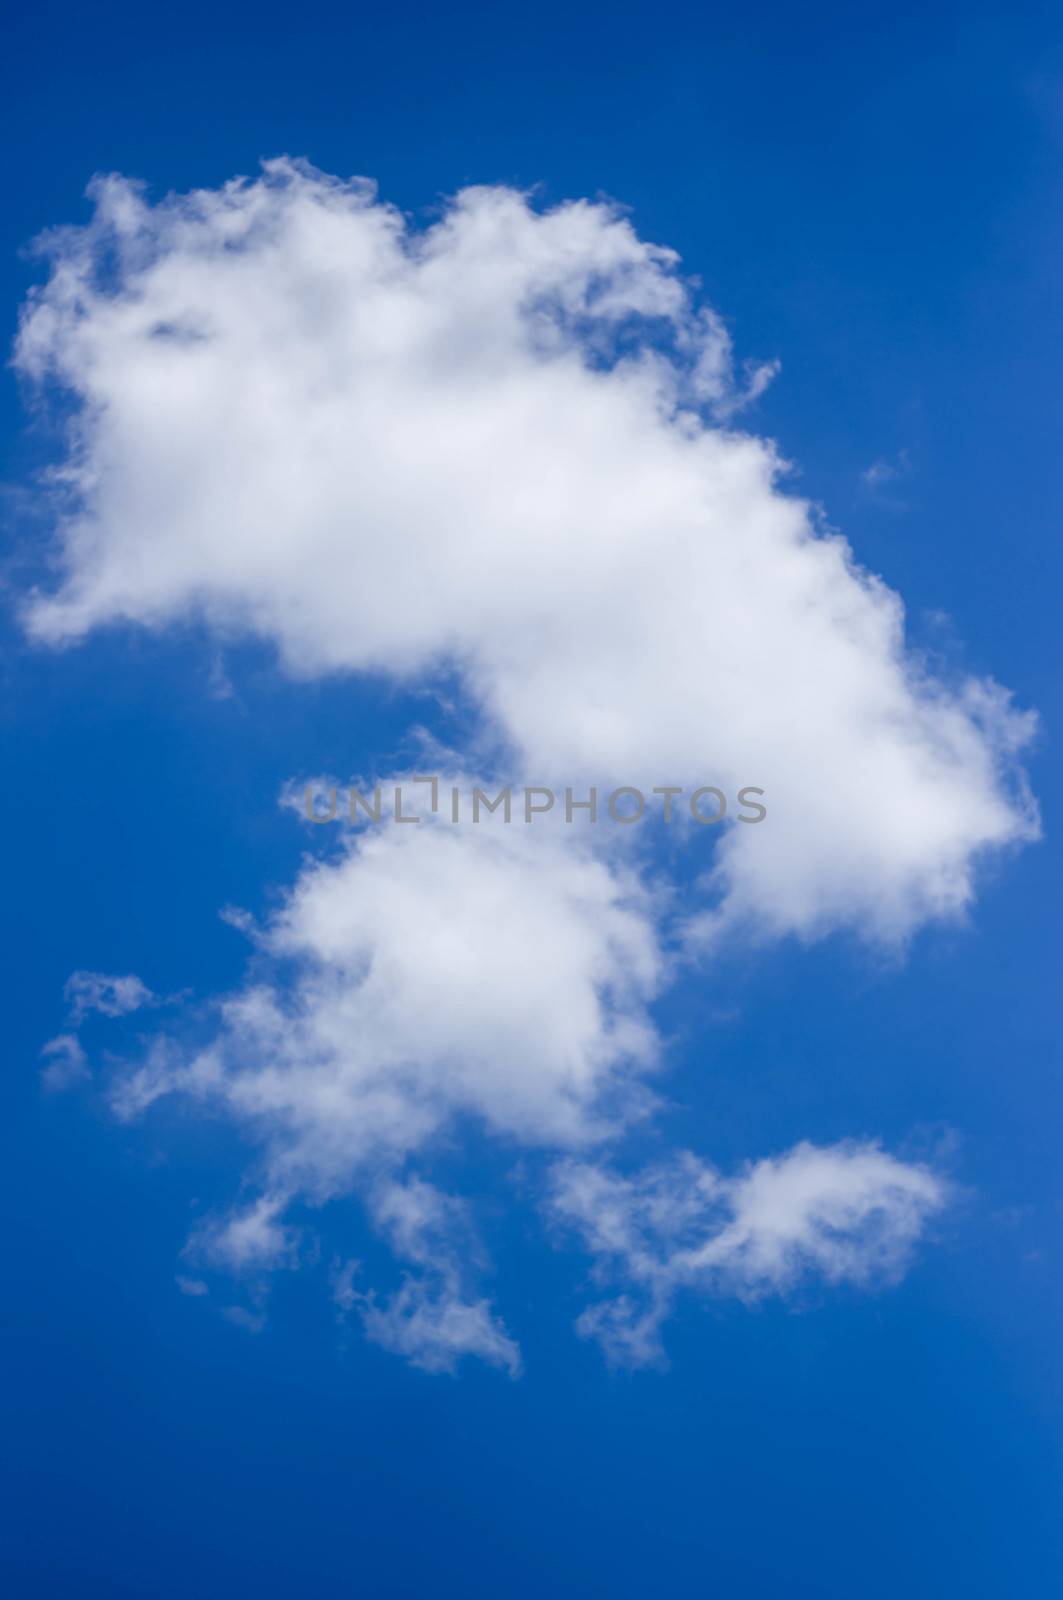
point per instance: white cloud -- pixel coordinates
(431, 972)
(251, 1240)
(435, 972)
(85, 992)
(485, 443)
(423, 975)
(66, 1063)
(882, 480)
(111, 996)
(244, 1317)
(845, 1213)
(433, 1328)
(502, 445)
(434, 1319)
(884, 471)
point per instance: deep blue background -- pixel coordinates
(870, 193)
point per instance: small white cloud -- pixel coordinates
(252, 1240)
(191, 1286)
(241, 1317)
(433, 1328)
(435, 1318)
(163, 1070)
(111, 996)
(424, 974)
(885, 471)
(847, 1213)
(343, 1291)
(66, 1063)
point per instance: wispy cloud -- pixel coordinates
(882, 478)
(111, 996)
(435, 1318)
(845, 1213)
(66, 1063)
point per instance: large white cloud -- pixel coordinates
(503, 445)
(491, 443)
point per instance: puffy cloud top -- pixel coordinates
(500, 442)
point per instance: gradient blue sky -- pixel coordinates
(873, 197)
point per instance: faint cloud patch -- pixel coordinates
(110, 996)
(65, 1063)
(241, 1317)
(881, 478)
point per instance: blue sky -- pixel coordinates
(871, 201)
